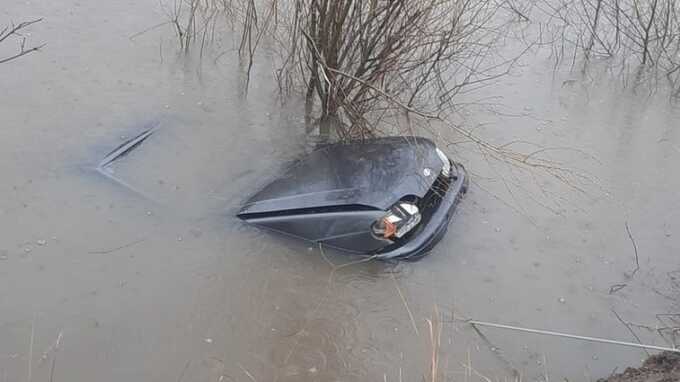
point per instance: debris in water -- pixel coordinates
(637, 258)
(208, 340)
(41, 242)
(119, 152)
(616, 287)
(562, 300)
(127, 146)
(107, 251)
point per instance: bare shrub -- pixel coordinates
(16, 31)
(639, 36)
(362, 64)
(364, 61)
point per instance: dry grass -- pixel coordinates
(435, 335)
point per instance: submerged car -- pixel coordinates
(391, 198)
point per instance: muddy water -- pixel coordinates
(99, 282)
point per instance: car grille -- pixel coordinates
(430, 202)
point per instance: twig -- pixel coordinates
(403, 300)
(107, 251)
(54, 361)
(53, 347)
(572, 336)
(629, 329)
(497, 351)
(664, 295)
(545, 369)
(23, 52)
(669, 315)
(637, 259)
(149, 29)
(468, 366)
(181, 374)
(246, 372)
(54, 358)
(323, 255)
(469, 370)
(616, 287)
(4, 34)
(30, 349)
(385, 94)
(435, 339)
(517, 11)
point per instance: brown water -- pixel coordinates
(170, 286)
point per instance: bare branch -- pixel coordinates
(15, 30)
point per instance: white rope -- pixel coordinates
(583, 338)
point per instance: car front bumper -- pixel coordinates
(424, 240)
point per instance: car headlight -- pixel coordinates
(446, 163)
(400, 219)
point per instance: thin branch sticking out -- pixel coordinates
(637, 258)
(15, 30)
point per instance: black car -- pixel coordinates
(386, 197)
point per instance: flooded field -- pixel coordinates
(100, 282)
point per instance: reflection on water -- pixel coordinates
(172, 286)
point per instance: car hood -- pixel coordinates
(374, 173)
